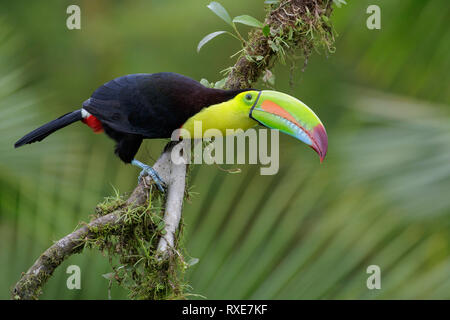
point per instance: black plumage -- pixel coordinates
(140, 106)
(41, 133)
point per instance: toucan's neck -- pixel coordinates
(210, 96)
(229, 114)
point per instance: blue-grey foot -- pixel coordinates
(147, 170)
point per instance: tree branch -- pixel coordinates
(295, 25)
(30, 284)
(174, 205)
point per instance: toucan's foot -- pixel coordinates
(147, 170)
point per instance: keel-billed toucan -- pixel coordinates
(145, 106)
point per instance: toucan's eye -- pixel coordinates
(248, 96)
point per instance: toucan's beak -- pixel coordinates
(280, 111)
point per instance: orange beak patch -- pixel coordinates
(273, 108)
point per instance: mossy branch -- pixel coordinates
(294, 25)
(31, 282)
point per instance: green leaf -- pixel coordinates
(220, 84)
(109, 276)
(338, 3)
(207, 38)
(205, 83)
(249, 21)
(266, 30)
(273, 46)
(220, 11)
(192, 261)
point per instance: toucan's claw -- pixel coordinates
(154, 175)
(147, 170)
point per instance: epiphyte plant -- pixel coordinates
(222, 13)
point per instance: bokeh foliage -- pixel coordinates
(381, 197)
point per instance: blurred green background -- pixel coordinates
(382, 197)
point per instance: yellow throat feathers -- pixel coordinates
(231, 114)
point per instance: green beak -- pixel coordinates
(280, 111)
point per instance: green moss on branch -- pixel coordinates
(132, 250)
(295, 29)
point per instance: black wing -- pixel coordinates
(120, 105)
(151, 105)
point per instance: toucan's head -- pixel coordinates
(272, 109)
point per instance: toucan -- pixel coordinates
(148, 106)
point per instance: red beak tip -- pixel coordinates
(320, 141)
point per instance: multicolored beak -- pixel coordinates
(280, 111)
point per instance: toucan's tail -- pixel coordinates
(47, 129)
